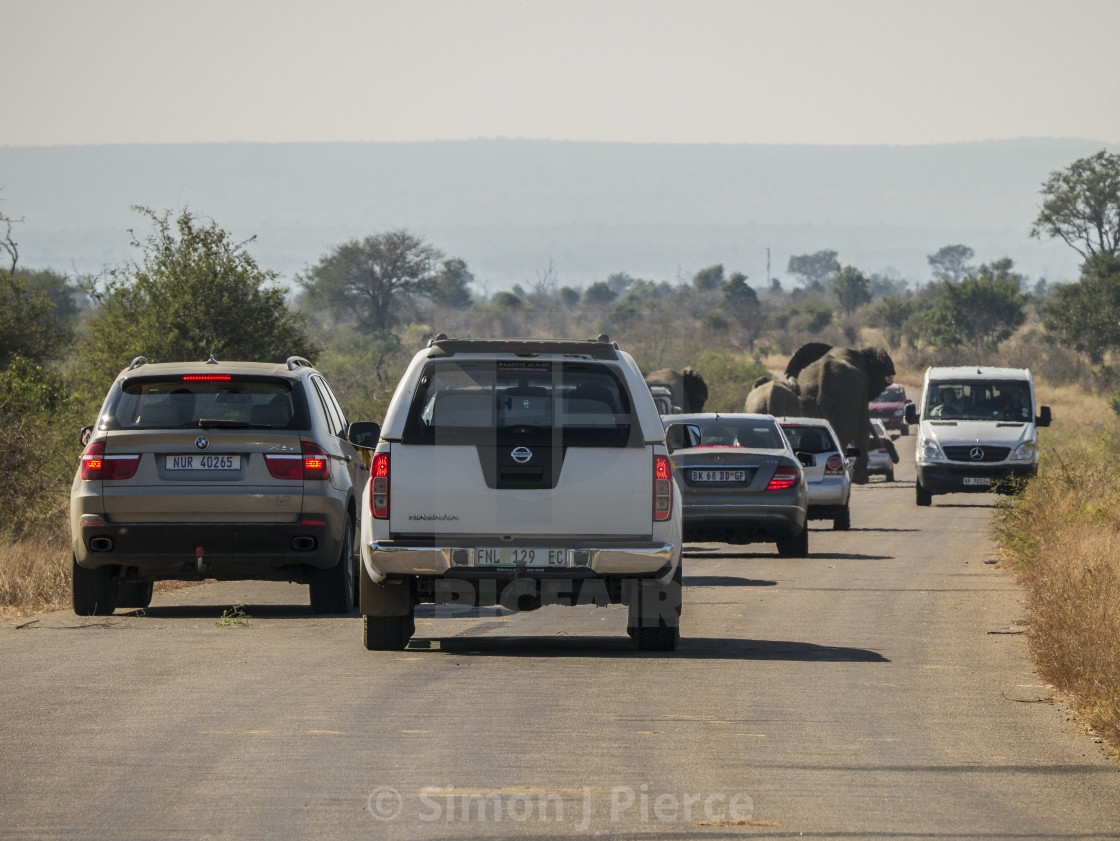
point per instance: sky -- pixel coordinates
(822, 72)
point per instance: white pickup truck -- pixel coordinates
(520, 472)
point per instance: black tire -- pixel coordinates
(922, 496)
(387, 633)
(905, 430)
(665, 633)
(332, 589)
(134, 594)
(841, 522)
(797, 546)
(94, 590)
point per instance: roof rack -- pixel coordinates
(137, 362)
(599, 348)
(298, 362)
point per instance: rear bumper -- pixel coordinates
(961, 478)
(383, 558)
(738, 526)
(228, 550)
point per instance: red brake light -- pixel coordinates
(834, 465)
(662, 488)
(784, 478)
(379, 487)
(194, 378)
(97, 465)
(316, 462)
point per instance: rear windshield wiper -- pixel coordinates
(214, 423)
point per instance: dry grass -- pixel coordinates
(34, 575)
(1062, 536)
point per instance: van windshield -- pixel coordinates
(994, 400)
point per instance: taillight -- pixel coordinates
(313, 464)
(97, 465)
(834, 466)
(784, 478)
(379, 487)
(662, 488)
(316, 462)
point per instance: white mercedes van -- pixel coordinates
(978, 430)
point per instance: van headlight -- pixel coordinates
(929, 450)
(1025, 452)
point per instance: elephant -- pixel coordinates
(773, 397)
(837, 384)
(689, 390)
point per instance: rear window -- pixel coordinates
(483, 401)
(809, 439)
(203, 401)
(755, 433)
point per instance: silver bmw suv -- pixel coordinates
(226, 470)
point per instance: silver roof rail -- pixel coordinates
(137, 362)
(298, 362)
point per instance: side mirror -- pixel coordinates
(911, 413)
(364, 434)
(1043, 418)
(806, 459)
(853, 452)
(83, 436)
(681, 436)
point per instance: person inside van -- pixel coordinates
(948, 407)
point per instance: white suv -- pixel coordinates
(829, 477)
(520, 472)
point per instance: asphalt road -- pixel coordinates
(878, 689)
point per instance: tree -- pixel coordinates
(1082, 205)
(195, 292)
(599, 295)
(815, 269)
(28, 327)
(852, 289)
(981, 311)
(709, 279)
(67, 298)
(8, 245)
(891, 314)
(1086, 315)
(373, 276)
(450, 286)
(951, 262)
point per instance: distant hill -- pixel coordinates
(509, 207)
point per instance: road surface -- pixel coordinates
(878, 689)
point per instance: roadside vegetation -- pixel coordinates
(365, 306)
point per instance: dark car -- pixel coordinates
(742, 483)
(227, 470)
(890, 408)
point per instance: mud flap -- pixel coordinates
(391, 598)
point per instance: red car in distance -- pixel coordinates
(890, 408)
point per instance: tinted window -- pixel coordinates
(573, 403)
(185, 402)
(330, 408)
(755, 433)
(810, 439)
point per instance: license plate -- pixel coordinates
(493, 556)
(982, 481)
(203, 461)
(719, 475)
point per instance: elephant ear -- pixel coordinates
(804, 356)
(760, 381)
(696, 389)
(880, 369)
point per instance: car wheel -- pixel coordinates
(922, 496)
(94, 590)
(655, 613)
(842, 522)
(387, 633)
(904, 430)
(332, 589)
(794, 546)
(134, 594)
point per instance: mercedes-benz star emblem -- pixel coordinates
(522, 454)
(976, 454)
(202, 442)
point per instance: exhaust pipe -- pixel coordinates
(101, 544)
(303, 544)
